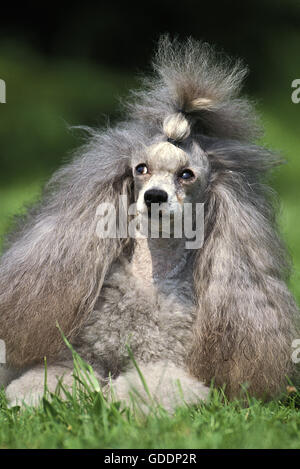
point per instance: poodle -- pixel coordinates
(219, 313)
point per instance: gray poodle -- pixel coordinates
(221, 313)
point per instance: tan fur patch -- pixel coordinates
(166, 157)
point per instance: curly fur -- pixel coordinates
(235, 318)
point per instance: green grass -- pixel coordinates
(88, 422)
(84, 419)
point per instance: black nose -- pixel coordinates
(155, 196)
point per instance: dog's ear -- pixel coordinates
(246, 315)
(54, 269)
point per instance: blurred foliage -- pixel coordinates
(45, 97)
(122, 34)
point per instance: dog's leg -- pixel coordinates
(166, 384)
(29, 388)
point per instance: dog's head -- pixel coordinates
(170, 173)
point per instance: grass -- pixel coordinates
(84, 419)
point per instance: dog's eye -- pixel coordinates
(186, 174)
(141, 169)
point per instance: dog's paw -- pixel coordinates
(164, 384)
(29, 388)
(21, 392)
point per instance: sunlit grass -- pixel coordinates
(83, 418)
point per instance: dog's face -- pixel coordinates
(168, 176)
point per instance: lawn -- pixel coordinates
(89, 423)
(85, 420)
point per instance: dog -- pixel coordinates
(221, 313)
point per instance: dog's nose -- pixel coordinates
(155, 196)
